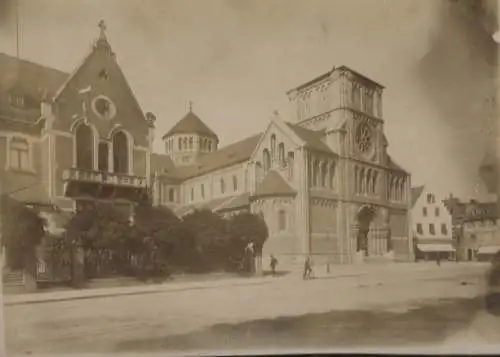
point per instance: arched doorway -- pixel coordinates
(365, 216)
(120, 153)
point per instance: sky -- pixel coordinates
(235, 59)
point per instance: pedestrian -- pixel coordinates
(273, 263)
(307, 268)
(438, 259)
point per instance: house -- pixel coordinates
(432, 226)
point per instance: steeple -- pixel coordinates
(102, 41)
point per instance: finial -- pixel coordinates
(190, 105)
(276, 115)
(102, 26)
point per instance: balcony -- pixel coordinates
(100, 184)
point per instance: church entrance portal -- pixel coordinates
(365, 217)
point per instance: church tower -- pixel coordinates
(189, 139)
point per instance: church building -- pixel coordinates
(322, 179)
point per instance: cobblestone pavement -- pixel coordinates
(107, 324)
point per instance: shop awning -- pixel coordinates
(492, 249)
(435, 247)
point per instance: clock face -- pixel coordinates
(364, 138)
(103, 107)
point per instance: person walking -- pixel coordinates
(307, 268)
(273, 262)
(438, 259)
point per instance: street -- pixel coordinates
(390, 306)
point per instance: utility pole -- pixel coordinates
(2, 315)
(17, 29)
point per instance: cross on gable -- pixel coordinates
(190, 105)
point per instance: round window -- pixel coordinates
(103, 107)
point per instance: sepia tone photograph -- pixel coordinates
(224, 177)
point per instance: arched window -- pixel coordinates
(235, 183)
(190, 142)
(180, 143)
(356, 179)
(362, 181)
(368, 182)
(331, 179)
(103, 157)
(19, 153)
(315, 173)
(84, 147)
(281, 220)
(273, 146)
(222, 186)
(281, 154)
(290, 164)
(120, 153)
(266, 160)
(171, 195)
(374, 182)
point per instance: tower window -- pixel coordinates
(424, 211)
(281, 220)
(222, 186)
(171, 195)
(436, 211)
(202, 188)
(432, 230)
(235, 183)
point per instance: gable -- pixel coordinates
(100, 76)
(283, 134)
(27, 79)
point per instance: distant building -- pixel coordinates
(432, 226)
(323, 180)
(475, 228)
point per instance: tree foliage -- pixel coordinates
(208, 231)
(22, 230)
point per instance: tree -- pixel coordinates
(163, 234)
(209, 233)
(243, 229)
(106, 235)
(22, 231)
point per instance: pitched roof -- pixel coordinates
(224, 157)
(24, 187)
(191, 124)
(274, 185)
(162, 163)
(31, 79)
(416, 192)
(327, 74)
(312, 138)
(392, 165)
(240, 201)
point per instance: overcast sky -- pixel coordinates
(235, 60)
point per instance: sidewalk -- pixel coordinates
(395, 271)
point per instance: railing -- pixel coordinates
(102, 177)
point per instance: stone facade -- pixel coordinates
(323, 180)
